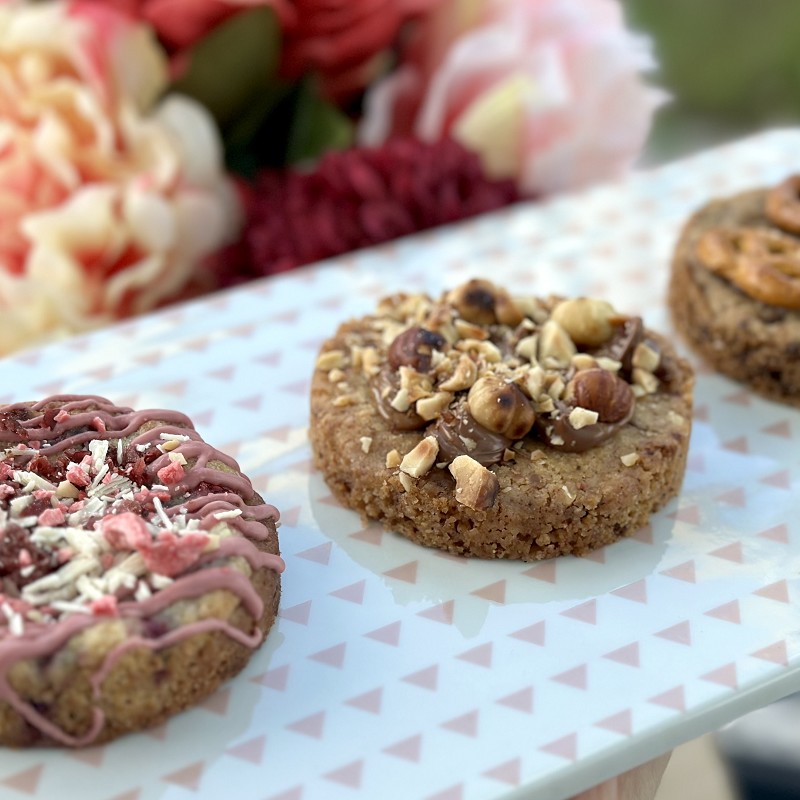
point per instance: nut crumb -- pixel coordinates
(582, 417)
(419, 460)
(343, 400)
(366, 443)
(476, 486)
(336, 375)
(330, 360)
(406, 481)
(393, 459)
(629, 459)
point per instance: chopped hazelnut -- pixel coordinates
(366, 443)
(581, 417)
(393, 459)
(587, 321)
(419, 460)
(646, 358)
(555, 344)
(648, 382)
(330, 360)
(501, 407)
(629, 459)
(406, 481)
(476, 486)
(430, 408)
(463, 377)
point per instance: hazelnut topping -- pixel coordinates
(501, 407)
(601, 391)
(413, 348)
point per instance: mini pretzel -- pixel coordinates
(764, 264)
(783, 204)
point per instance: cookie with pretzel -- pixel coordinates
(735, 288)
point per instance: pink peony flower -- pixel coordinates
(107, 202)
(546, 91)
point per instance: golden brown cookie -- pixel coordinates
(501, 427)
(735, 288)
(139, 569)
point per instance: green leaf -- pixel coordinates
(316, 126)
(231, 66)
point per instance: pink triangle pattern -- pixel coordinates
(777, 653)
(427, 678)
(775, 591)
(682, 572)
(408, 749)
(724, 676)
(734, 497)
(93, 756)
(494, 592)
(332, 656)
(680, 633)
(521, 700)
(218, 702)
(299, 613)
(295, 793)
(782, 429)
(443, 612)
(26, 781)
(321, 554)
(584, 612)
(629, 654)
(781, 479)
(738, 445)
(508, 772)
(728, 612)
(480, 655)
(690, 515)
(188, 777)
(636, 591)
(388, 634)
(617, 723)
(349, 775)
(565, 747)
(730, 552)
(133, 794)
(251, 751)
(777, 533)
(371, 535)
(274, 678)
(354, 593)
(534, 634)
(405, 572)
(465, 724)
(674, 698)
(311, 726)
(369, 701)
(543, 572)
(577, 677)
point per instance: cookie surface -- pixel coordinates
(745, 338)
(477, 424)
(139, 569)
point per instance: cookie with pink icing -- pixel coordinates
(138, 569)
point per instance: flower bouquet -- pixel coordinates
(153, 150)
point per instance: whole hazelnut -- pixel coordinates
(501, 407)
(413, 348)
(601, 391)
(484, 303)
(587, 321)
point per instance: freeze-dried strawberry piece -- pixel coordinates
(5, 471)
(171, 474)
(52, 517)
(170, 554)
(77, 477)
(125, 531)
(105, 606)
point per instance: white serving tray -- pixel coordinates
(398, 672)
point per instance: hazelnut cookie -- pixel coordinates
(501, 427)
(735, 288)
(139, 569)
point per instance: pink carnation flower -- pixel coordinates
(107, 201)
(546, 91)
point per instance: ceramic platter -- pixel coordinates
(398, 672)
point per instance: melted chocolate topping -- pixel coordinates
(459, 434)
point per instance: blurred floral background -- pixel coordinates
(155, 150)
